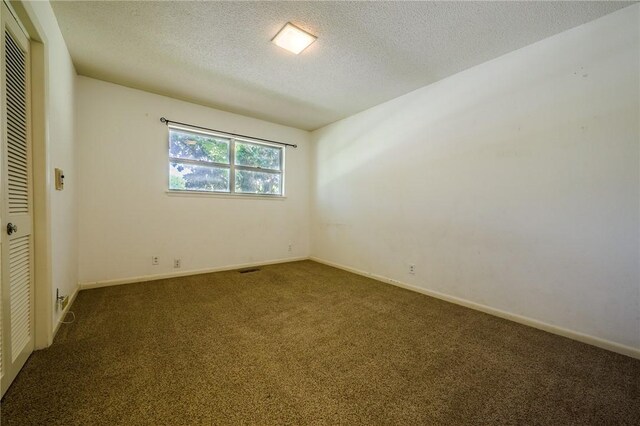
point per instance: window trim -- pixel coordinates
(231, 166)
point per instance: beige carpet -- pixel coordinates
(304, 343)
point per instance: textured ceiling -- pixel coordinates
(219, 53)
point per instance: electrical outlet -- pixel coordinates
(177, 263)
(412, 269)
(290, 247)
(61, 301)
(155, 260)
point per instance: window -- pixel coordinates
(207, 162)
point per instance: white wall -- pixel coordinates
(59, 151)
(513, 184)
(126, 216)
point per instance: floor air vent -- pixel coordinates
(246, 271)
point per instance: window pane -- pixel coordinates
(196, 146)
(258, 182)
(190, 177)
(266, 157)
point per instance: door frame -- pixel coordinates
(44, 298)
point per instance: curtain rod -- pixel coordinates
(167, 121)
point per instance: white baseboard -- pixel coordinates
(72, 299)
(581, 337)
(143, 278)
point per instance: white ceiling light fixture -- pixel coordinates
(293, 39)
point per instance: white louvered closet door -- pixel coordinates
(17, 327)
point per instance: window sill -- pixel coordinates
(206, 194)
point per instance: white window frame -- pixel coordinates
(232, 166)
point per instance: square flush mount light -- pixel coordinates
(293, 38)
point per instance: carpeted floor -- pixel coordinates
(303, 343)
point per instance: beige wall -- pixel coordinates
(126, 216)
(512, 185)
(59, 152)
